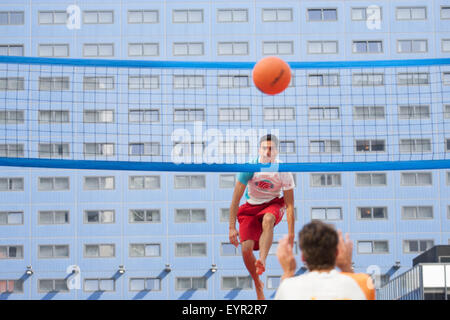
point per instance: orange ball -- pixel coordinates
(271, 75)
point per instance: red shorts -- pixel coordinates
(250, 218)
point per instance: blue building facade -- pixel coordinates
(159, 235)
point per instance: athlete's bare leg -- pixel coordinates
(265, 242)
(249, 261)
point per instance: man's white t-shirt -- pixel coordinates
(331, 285)
(263, 187)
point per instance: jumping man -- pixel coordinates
(263, 210)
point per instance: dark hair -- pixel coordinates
(269, 137)
(318, 242)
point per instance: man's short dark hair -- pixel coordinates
(269, 137)
(318, 242)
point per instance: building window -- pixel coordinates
(277, 47)
(447, 145)
(287, 147)
(415, 145)
(144, 149)
(98, 17)
(234, 114)
(322, 47)
(188, 82)
(416, 78)
(11, 252)
(52, 285)
(368, 79)
(190, 215)
(411, 112)
(143, 16)
(12, 150)
(98, 83)
(412, 46)
(53, 184)
(370, 146)
(98, 183)
(445, 45)
(371, 213)
(279, 114)
(233, 81)
(53, 217)
(325, 180)
(325, 146)
(11, 50)
(9, 218)
(411, 13)
(329, 213)
(94, 285)
(372, 247)
(187, 16)
(99, 250)
(98, 149)
(323, 80)
(11, 286)
(147, 250)
(53, 50)
(188, 49)
(224, 214)
(54, 83)
(189, 181)
(416, 179)
(325, 14)
(53, 150)
(98, 116)
(188, 115)
(228, 249)
(99, 216)
(446, 78)
(367, 46)
(143, 49)
(276, 15)
(371, 179)
(145, 216)
(52, 17)
(232, 148)
(323, 113)
(236, 283)
(366, 14)
(145, 284)
(232, 15)
(12, 84)
(143, 115)
(417, 246)
(53, 116)
(368, 113)
(144, 182)
(12, 18)
(232, 48)
(11, 184)
(190, 249)
(98, 50)
(227, 181)
(12, 117)
(53, 251)
(143, 82)
(273, 282)
(185, 149)
(190, 283)
(417, 212)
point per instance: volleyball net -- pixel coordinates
(208, 116)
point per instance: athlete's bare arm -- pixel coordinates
(289, 201)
